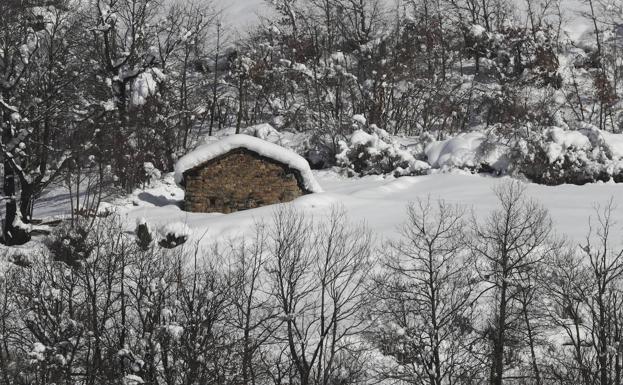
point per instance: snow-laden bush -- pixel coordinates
(316, 149)
(151, 173)
(376, 153)
(557, 156)
(143, 234)
(174, 234)
(85, 240)
(318, 153)
(72, 244)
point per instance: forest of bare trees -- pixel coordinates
(452, 299)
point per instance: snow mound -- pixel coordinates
(264, 131)
(614, 142)
(210, 151)
(460, 151)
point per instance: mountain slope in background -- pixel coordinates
(245, 13)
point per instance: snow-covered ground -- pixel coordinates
(379, 202)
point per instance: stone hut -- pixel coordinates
(242, 172)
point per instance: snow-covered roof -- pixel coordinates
(207, 152)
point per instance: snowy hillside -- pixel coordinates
(245, 12)
(242, 13)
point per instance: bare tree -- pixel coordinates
(254, 314)
(424, 297)
(585, 290)
(513, 241)
(567, 290)
(605, 298)
(318, 272)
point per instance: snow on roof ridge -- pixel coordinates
(207, 152)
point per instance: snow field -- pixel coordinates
(380, 203)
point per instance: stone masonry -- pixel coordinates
(239, 180)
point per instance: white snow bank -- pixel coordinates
(263, 131)
(614, 142)
(460, 151)
(210, 151)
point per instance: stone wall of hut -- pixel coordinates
(239, 180)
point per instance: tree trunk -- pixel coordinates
(11, 234)
(535, 366)
(26, 201)
(497, 367)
